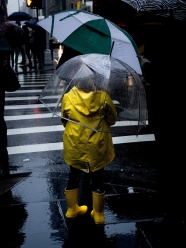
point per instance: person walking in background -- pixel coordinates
(87, 150)
(36, 49)
(4, 163)
(26, 37)
(10, 58)
(167, 72)
(20, 48)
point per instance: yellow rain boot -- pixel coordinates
(73, 209)
(98, 208)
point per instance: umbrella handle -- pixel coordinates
(111, 48)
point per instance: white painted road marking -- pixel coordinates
(59, 145)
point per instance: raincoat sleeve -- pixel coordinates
(110, 116)
(64, 112)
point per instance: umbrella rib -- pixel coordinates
(81, 124)
(112, 48)
(75, 13)
(52, 26)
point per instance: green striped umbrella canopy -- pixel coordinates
(89, 33)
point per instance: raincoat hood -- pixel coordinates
(85, 103)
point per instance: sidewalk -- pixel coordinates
(33, 206)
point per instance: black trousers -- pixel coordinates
(96, 179)
(4, 165)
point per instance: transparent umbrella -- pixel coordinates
(108, 74)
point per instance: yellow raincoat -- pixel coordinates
(84, 148)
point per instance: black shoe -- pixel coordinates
(21, 63)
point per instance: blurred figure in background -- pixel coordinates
(26, 37)
(20, 48)
(37, 45)
(4, 164)
(10, 58)
(167, 75)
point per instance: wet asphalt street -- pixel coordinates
(32, 200)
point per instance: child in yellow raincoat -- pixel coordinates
(87, 114)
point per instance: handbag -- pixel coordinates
(9, 78)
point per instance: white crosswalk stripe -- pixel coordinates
(32, 86)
